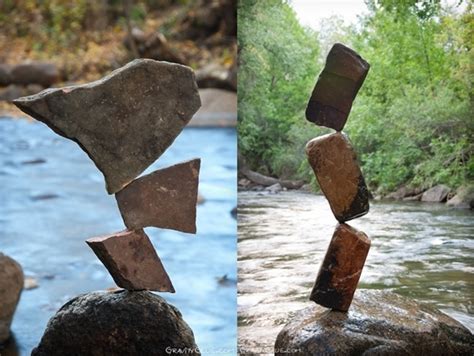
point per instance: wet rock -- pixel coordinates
(335, 165)
(341, 268)
(11, 285)
(123, 121)
(464, 198)
(34, 161)
(45, 196)
(437, 194)
(117, 323)
(132, 261)
(378, 323)
(216, 76)
(45, 74)
(30, 283)
(274, 189)
(336, 88)
(219, 109)
(413, 197)
(165, 198)
(233, 212)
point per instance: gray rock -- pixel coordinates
(464, 198)
(5, 75)
(12, 92)
(124, 121)
(116, 323)
(41, 73)
(274, 189)
(437, 194)
(378, 323)
(404, 192)
(11, 285)
(214, 75)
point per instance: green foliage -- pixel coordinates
(277, 69)
(412, 120)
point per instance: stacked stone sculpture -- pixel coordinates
(335, 165)
(124, 122)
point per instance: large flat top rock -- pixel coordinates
(123, 121)
(378, 323)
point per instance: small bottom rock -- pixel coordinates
(378, 323)
(117, 323)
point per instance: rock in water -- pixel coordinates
(166, 198)
(378, 323)
(123, 121)
(132, 261)
(337, 86)
(11, 285)
(117, 323)
(341, 269)
(335, 165)
(437, 194)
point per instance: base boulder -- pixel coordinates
(117, 323)
(378, 323)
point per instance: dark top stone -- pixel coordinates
(337, 87)
(123, 121)
(378, 323)
(116, 323)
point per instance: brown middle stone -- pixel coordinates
(335, 165)
(341, 268)
(165, 198)
(132, 261)
(336, 88)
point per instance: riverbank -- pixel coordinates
(422, 251)
(460, 198)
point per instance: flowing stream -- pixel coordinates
(423, 251)
(52, 198)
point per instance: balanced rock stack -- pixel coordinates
(335, 165)
(124, 122)
(379, 322)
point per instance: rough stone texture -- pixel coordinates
(45, 74)
(379, 323)
(335, 165)
(116, 323)
(336, 88)
(123, 121)
(437, 194)
(166, 198)
(11, 285)
(464, 198)
(341, 268)
(132, 261)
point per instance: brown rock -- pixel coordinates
(341, 269)
(165, 198)
(132, 261)
(335, 164)
(11, 285)
(123, 121)
(336, 88)
(378, 323)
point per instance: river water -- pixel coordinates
(423, 251)
(52, 198)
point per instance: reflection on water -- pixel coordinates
(53, 198)
(424, 251)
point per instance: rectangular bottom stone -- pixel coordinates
(341, 268)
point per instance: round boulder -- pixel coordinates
(11, 285)
(378, 323)
(117, 323)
